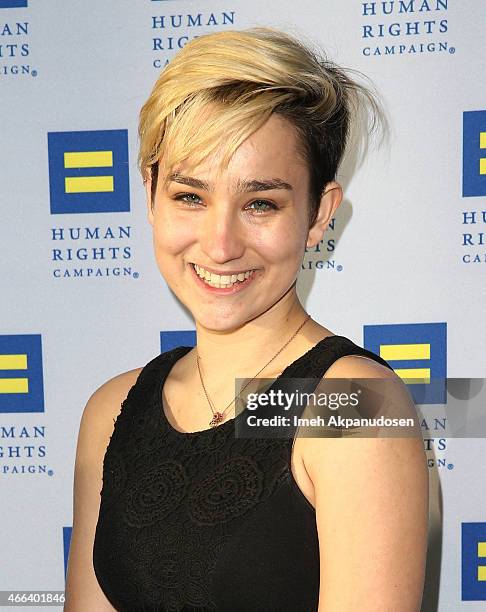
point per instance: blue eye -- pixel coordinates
(188, 198)
(270, 206)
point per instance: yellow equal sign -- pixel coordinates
(89, 184)
(482, 568)
(13, 385)
(482, 145)
(401, 352)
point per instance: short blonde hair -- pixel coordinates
(233, 81)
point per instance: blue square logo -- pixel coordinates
(172, 339)
(21, 378)
(474, 154)
(13, 4)
(473, 547)
(418, 354)
(66, 543)
(88, 172)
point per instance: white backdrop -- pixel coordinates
(82, 299)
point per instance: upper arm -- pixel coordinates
(371, 497)
(82, 589)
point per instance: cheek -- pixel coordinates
(170, 237)
(280, 245)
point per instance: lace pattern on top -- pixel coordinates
(173, 504)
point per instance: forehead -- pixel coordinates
(274, 150)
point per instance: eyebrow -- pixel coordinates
(241, 185)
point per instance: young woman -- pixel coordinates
(240, 141)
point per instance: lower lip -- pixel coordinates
(225, 290)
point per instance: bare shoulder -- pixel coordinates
(371, 499)
(114, 388)
(104, 404)
(320, 453)
(83, 591)
(98, 421)
(358, 366)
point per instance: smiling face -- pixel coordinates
(245, 228)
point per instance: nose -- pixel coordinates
(221, 234)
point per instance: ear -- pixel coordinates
(147, 182)
(330, 200)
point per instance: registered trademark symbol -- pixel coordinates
(135, 275)
(34, 73)
(339, 268)
(50, 473)
(452, 50)
(450, 466)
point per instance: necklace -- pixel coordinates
(218, 416)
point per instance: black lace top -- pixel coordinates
(206, 520)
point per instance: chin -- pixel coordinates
(220, 321)
(218, 325)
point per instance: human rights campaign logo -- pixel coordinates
(88, 171)
(172, 339)
(473, 547)
(21, 379)
(66, 544)
(13, 4)
(474, 154)
(418, 354)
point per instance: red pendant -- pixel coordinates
(216, 420)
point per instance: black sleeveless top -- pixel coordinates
(206, 520)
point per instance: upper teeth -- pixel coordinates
(221, 279)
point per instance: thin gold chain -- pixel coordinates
(219, 416)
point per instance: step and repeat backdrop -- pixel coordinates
(401, 270)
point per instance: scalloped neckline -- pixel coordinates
(170, 360)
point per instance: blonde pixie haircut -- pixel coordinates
(221, 87)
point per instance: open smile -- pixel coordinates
(222, 283)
